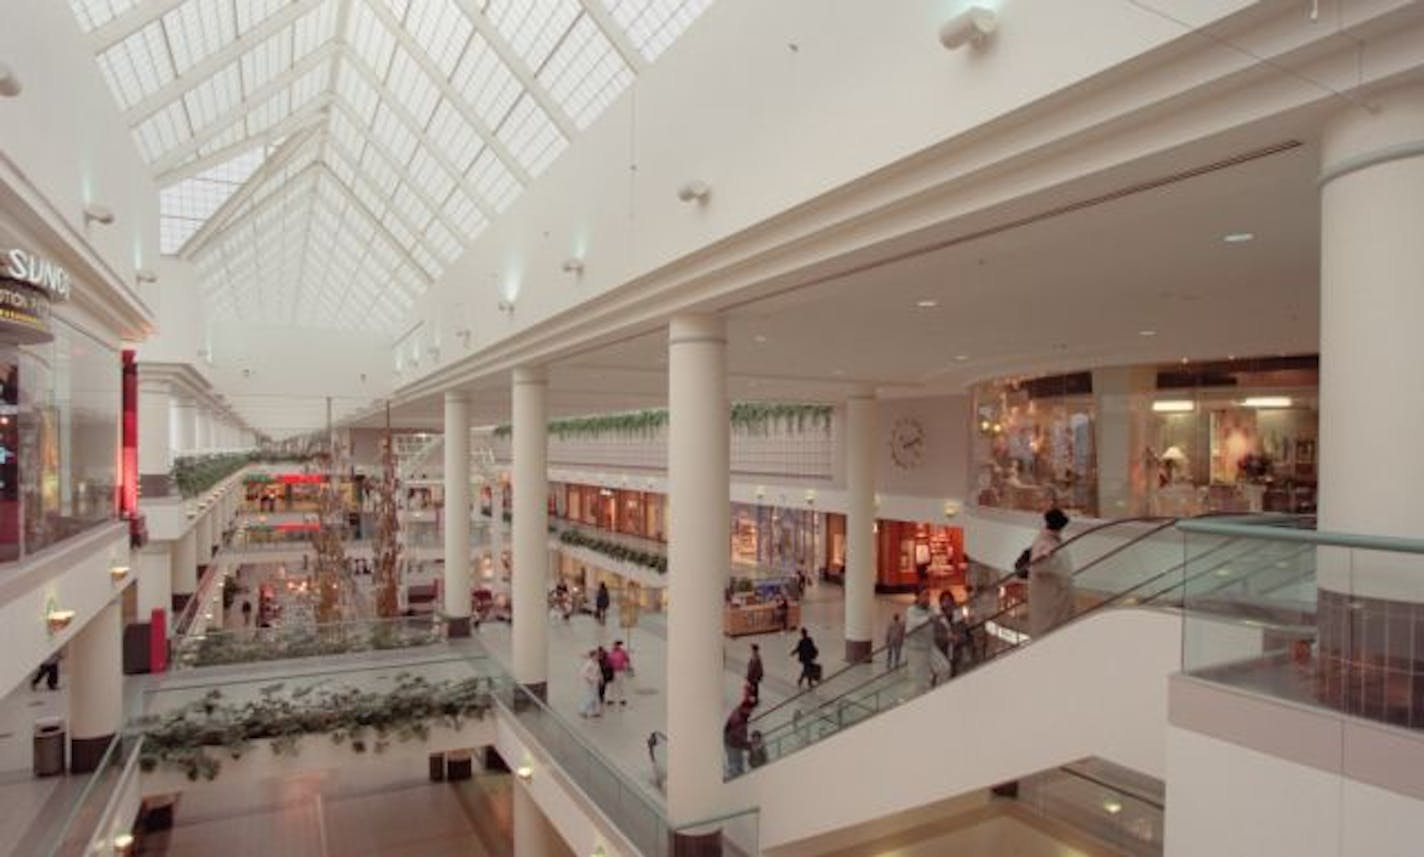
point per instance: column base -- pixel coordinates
(457, 626)
(1009, 789)
(696, 844)
(857, 651)
(180, 601)
(85, 754)
(539, 689)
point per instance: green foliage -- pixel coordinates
(318, 641)
(193, 739)
(615, 550)
(747, 417)
(195, 474)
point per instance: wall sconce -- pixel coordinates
(144, 275)
(972, 27)
(810, 496)
(118, 572)
(524, 772)
(696, 191)
(123, 844)
(57, 620)
(573, 265)
(95, 213)
(506, 305)
(9, 83)
(951, 508)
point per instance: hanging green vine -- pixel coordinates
(746, 417)
(614, 550)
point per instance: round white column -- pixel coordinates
(458, 582)
(95, 688)
(533, 835)
(1372, 400)
(185, 567)
(530, 525)
(698, 562)
(155, 579)
(861, 431)
(155, 410)
(186, 417)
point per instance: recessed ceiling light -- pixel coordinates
(961, 357)
(1185, 361)
(838, 372)
(1238, 237)
(759, 339)
(1146, 333)
(927, 303)
(1173, 406)
(1267, 402)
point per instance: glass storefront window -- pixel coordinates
(60, 403)
(1235, 435)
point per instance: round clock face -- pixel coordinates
(907, 443)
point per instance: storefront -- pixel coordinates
(582, 579)
(60, 402)
(910, 555)
(777, 540)
(297, 492)
(1234, 435)
(618, 510)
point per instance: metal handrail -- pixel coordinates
(1393, 544)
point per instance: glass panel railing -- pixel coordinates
(1127, 820)
(1319, 618)
(89, 814)
(249, 645)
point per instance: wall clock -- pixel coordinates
(907, 443)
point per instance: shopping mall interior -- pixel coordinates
(678, 428)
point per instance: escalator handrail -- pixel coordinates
(1160, 523)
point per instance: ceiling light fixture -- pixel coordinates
(524, 772)
(57, 620)
(1174, 406)
(506, 305)
(96, 213)
(960, 358)
(973, 27)
(1146, 333)
(1238, 237)
(10, 85)
(927, 303)
(573, 265)
(695, 191)
(118, 572)
(1267, 402)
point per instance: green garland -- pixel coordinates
(747, 417)
(614, 550)
(237, 648)
(183, 739)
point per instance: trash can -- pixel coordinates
(49, 747)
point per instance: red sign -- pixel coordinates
(301, 478)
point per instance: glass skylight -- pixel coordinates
(352, 149)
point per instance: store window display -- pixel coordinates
(1034, 445)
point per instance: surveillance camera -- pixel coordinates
(973, 26)
(694, 191)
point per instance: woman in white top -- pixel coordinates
(591, 673)
(1050, 577)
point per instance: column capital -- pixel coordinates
(1357, 138)
(697, 327)
(457, 397)
(531, 375)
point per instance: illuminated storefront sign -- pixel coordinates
(28, 285)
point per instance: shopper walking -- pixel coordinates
(755, 671)
(919, 640)
(48, 672)
(807, 653)
(1050, 577)
(600, 603)
(605, 674)
(591, 674)
(894, 642)
(622, 665)
(783, 613)
(735, 740)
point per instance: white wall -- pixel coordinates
(1230, 801)
(820, 93)
(941, 472)
(180, 316)
(65, 135)
(1080, 692)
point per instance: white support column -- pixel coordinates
(155, 411)
(699, 456)
(155, 579)
(95, 688)
(185, 567)
(860, 572)
(533, 835)
(203, 537)
(1371, 397)
(530, 526)
(186, 414)
(458, 580)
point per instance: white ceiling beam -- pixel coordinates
(615, 34)
(217, 61)
(354, 200)
(413, 126)
(417, 232)
(276, 161)
(280, 197)
(427, 65)
(314, 110)
(108, 34)
(516, 65)
(294, 124)
(400, 170)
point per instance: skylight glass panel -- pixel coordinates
(345, 132)
(96, 13)
(392, 134)
(184, 207)
(214, 96)
(198, 28)
(162, 131)
(456, 140)
(369, 39)
(250, 13)
(233, 133)
(428, 174)
(494, 180)
(269, 113)
(412, 86)
(465, 214)
(441, 29)
(314, 29)
(309, 86)
(585, 73)
(486, 82)
(266, 61)
(533, 27)
(653, 25)
(531, 136)
(138, 66)
(360, 96)
(444, 243)
(410, 206)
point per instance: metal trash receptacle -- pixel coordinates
(49, 747)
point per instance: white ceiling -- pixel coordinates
(1068, 291)
(322, 162)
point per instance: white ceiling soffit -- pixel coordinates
(322, 162)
